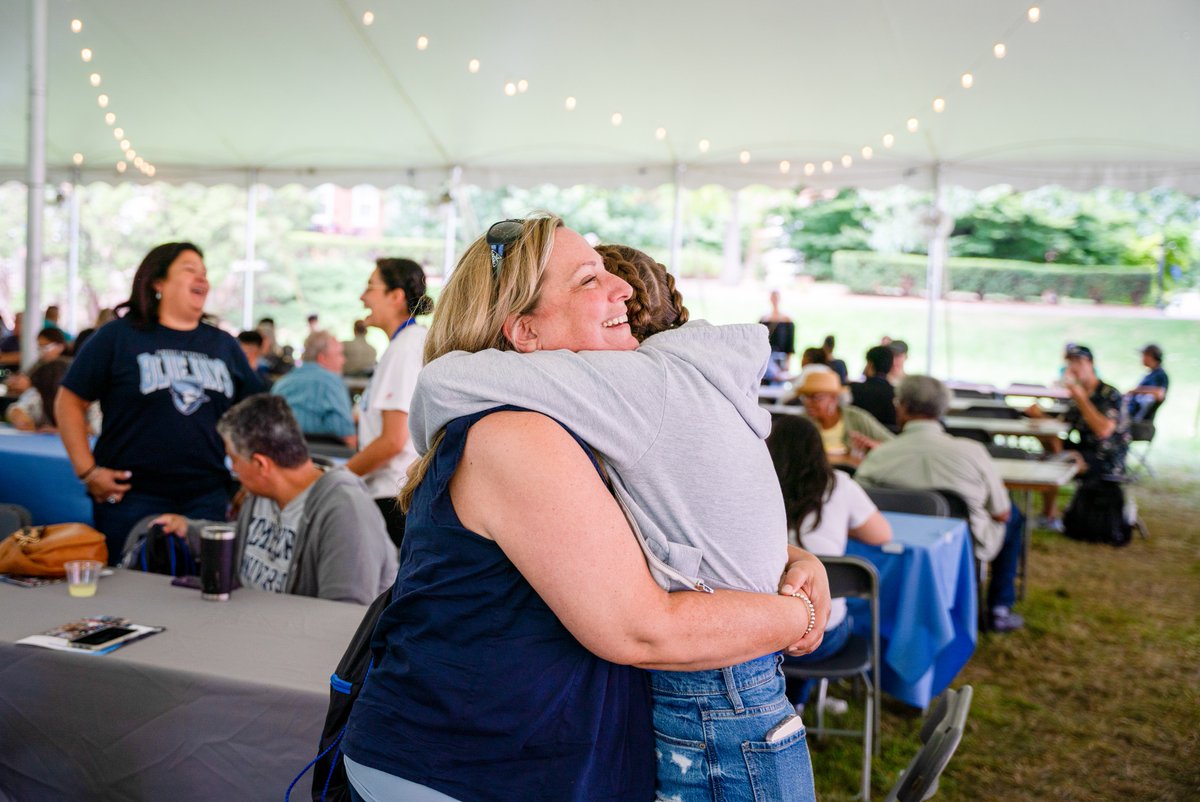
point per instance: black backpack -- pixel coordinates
(156, 552)
(329, 775)
(1097, 514)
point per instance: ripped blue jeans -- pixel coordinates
(710, 729)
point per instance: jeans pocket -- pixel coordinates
(780, 771)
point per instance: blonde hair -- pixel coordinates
(475, 303)
(655, 304)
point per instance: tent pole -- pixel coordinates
(731, 269)
(677, 222)
(72, 317)
(938, 236)
(451, 225)
(37, 181)
(248, 276)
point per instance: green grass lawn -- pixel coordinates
(1098, 698)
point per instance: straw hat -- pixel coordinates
(820, 382)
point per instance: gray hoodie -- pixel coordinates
(679, 425)
(342, 550)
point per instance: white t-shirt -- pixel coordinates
(270, 543)
(848, 507)
(391, 388)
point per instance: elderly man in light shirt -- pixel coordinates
(316, 393)
(925, 457)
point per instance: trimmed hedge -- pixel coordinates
(873, 273)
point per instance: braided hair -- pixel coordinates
(655, 304)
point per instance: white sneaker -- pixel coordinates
(835, 706)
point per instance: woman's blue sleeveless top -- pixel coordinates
(478, 691)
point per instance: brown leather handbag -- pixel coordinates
(44, 550)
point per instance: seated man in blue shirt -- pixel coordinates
(315, 390)
(1151, 390)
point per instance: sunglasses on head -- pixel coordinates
(499, 237)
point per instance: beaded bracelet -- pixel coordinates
(83, 477)
(812, 611)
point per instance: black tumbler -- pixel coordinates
(216, 562)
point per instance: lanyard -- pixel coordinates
(403, 326)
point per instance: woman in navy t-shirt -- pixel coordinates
(163, 378)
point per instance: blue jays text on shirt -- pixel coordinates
(267, 538)
(186, 374)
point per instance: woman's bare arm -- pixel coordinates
(874, 531)
(525, 483)
(388, 444)
(102, 482)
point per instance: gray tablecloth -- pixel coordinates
(226, 704)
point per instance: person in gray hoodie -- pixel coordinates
(678, 423)
(302, 530)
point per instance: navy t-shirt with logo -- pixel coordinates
(161, 392)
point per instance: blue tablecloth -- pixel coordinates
(927, 605)
(35, 473)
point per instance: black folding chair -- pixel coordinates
(915, 502)
(850, 577)
(1142, 431)
(940, 735)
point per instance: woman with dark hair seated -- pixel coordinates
(163, 378)
(824, 507)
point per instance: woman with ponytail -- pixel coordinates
(395, 295)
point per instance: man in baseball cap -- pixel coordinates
(1151, 390)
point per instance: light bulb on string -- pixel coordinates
(510, 89)
(94, 78)
(888, 140)
(660, 134)
(912, 125)
(827, 167)
(131, 154)
(103, 101)
(939, 105)
(968, 80)
(368, 18)
(569, 104)
(422, 42)
(76, 25)
(121, 167)
(124, 144)
(846, 160)
(617, 118)
(785, 166)
(78, 159)
(86, 54)
(118, 134)
(1034, 14)
(522, 86)
(867, 152)
(809, 168)
(151, 170)
(110, 118)
(744, 157)
(999, 50)
(473, 65)
(703, 145)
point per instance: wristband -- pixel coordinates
(83, 477)
(812, 611)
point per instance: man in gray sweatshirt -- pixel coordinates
(303, 530)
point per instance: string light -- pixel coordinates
(617, 118)
(1035, 14)
(888, 140)
(110, 118)
(510, 89)
(368, 18)
(846, 160)
(131, 153)
(151, 170)
(76, 25)
(569, 104)
(867, 153)
(810, 168)
(827, 167)
(522, 86)
(999, 50)
(103, 101)
(939, 105)
(86, 54)
(94, 78)
(703, 145)
(785, 166)
(422, 42)
(121, 167)
(118, 134)
(124, 144)
(744, 157)
(473, 65)
(968, 80)
(78, 159)
(139, 162)
(912, 125)
(660, 134)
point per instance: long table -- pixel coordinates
(36, 473)
(927, 602)
(227, 703)
(1032, 427)
(1027, 477)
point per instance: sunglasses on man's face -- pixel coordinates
(499, 237)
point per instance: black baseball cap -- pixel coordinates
(1154, 351)
(1078, 352)
(898, 347)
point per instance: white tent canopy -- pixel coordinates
(1098, 92)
